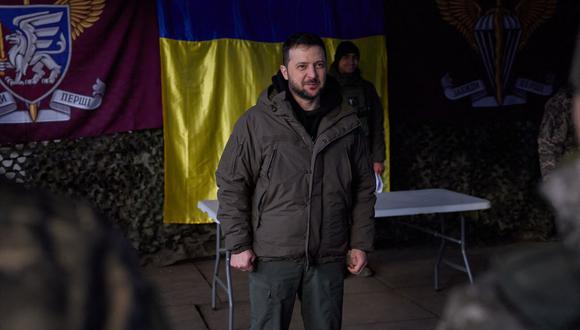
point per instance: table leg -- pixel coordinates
(440, 253)
(216, 265)
(463, 250)
(216, 280)
(230, 291)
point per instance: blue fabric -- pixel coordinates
(269, 20)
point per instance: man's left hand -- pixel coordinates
(378, 167)
(358, 261)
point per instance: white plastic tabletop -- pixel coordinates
(210, 207)
(404, 202)
(424, 201)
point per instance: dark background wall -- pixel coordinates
(489, 152)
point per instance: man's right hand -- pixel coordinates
(243, 261)
(378, 167)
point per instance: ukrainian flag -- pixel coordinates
(217, 56)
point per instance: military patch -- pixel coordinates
(35, 53)
(497, 35)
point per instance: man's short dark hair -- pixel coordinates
(300, 39)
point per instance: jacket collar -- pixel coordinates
(276, 95)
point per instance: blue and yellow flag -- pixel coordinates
(217, 56)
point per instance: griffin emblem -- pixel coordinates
(39, 47)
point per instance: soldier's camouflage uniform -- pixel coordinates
(556, 138)
(61, 268)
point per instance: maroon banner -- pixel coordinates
(78, 68)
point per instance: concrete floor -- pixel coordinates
(399, 296)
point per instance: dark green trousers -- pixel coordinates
(274, 286)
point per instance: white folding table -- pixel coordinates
(389, 204)
(210, 207)
(430, 201)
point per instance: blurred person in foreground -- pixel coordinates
(538, 288)
(62, 268)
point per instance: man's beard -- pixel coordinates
(302, 92)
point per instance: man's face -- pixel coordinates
(305, 72)
(348, 63)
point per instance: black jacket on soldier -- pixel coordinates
(362, 96)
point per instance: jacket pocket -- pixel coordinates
(238, 155)
(348, 164)
(268, 164)
(264, 182)
(260, 208)
(346, 176)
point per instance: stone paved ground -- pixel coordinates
(399, 296)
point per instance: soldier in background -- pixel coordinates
(535, 289)
(556, 139)
(361, 95)
(62, 268)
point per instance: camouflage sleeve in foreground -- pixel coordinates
(556, 131)
(477, 307)
(61, 267)
(562, 190)
(533, 288)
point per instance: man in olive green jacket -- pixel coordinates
(296, 193)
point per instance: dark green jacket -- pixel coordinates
(282, 194)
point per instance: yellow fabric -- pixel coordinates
(206, 86)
